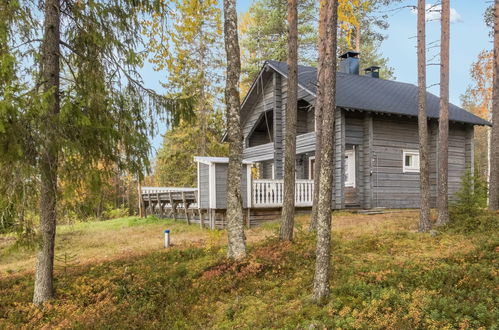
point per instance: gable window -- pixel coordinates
(411, 161)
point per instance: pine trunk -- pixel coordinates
(44, 289)
(424, 175)
(494, 136)
(288, 204)
(235, 225)
(319, 101)
(323, 249)
(443, 123)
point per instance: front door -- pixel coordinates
(350, 168)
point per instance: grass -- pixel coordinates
(385, 275)
(99, 241)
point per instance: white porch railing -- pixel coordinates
(269, 193)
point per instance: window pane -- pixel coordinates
(408, 160)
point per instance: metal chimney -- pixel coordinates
(372, 71)
(350, 63)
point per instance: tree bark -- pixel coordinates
(288, 204)
(494, 136)
(357, 38)
(424, 175)
(235, 225)
(323, 248)
(44, 289)
(319, 104)
(443, 123)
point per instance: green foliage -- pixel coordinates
(263, 31)
(469, 213)
(106, 113)
(175, 165)
(378, 282)
(113, 213)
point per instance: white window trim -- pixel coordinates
(407, 169)
(310, 159)
(273, 170)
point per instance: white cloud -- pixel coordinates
(433, 13)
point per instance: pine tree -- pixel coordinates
(323, 250)
(319, 105)
(424, 172)
(235, 227)
(443, 123)
(494, 136)
(288, 205)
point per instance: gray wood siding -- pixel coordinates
(278, 137)
(395, 189)
(339, 159)
(261, 152)
(263, 101)
(354, 131)
(221, 171)
(305, 143)
(204, 187)
(367, 147)
(267, 170)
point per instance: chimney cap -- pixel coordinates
(373, 68)
(350, 54)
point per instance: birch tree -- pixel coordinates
(424, 172)
(318, 108)
(323, 248)
(494, 138)
(288, 205)
(443, 123)
(235, 227)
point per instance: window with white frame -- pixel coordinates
(410, 161)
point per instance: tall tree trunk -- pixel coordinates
(357, 38)
(319, 104)
(494, 136)
(323, 249)
(235, 226)
(288, 204)
(443, 123)
(424, 175)
(44, 289)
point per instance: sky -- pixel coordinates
(469, 36)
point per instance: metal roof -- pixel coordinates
(378, 95)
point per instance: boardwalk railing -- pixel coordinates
(269, 193)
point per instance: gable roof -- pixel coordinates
(377, 95)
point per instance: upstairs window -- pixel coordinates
(411, 161)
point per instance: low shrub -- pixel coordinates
(469, 213)
(115, 213)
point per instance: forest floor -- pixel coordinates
(384, 275)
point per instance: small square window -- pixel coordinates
(411, 161)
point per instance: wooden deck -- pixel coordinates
(183, 203)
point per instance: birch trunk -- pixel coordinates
(424, 175)
(319, 104)
(443, 123)
(494, 136)
(288, 204)
(323, 249)
(235, 224)
(44, 289)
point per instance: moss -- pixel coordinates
(391, 280)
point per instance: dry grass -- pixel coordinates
(98, 242)
(384, 275)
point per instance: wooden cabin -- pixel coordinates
(376, 143)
